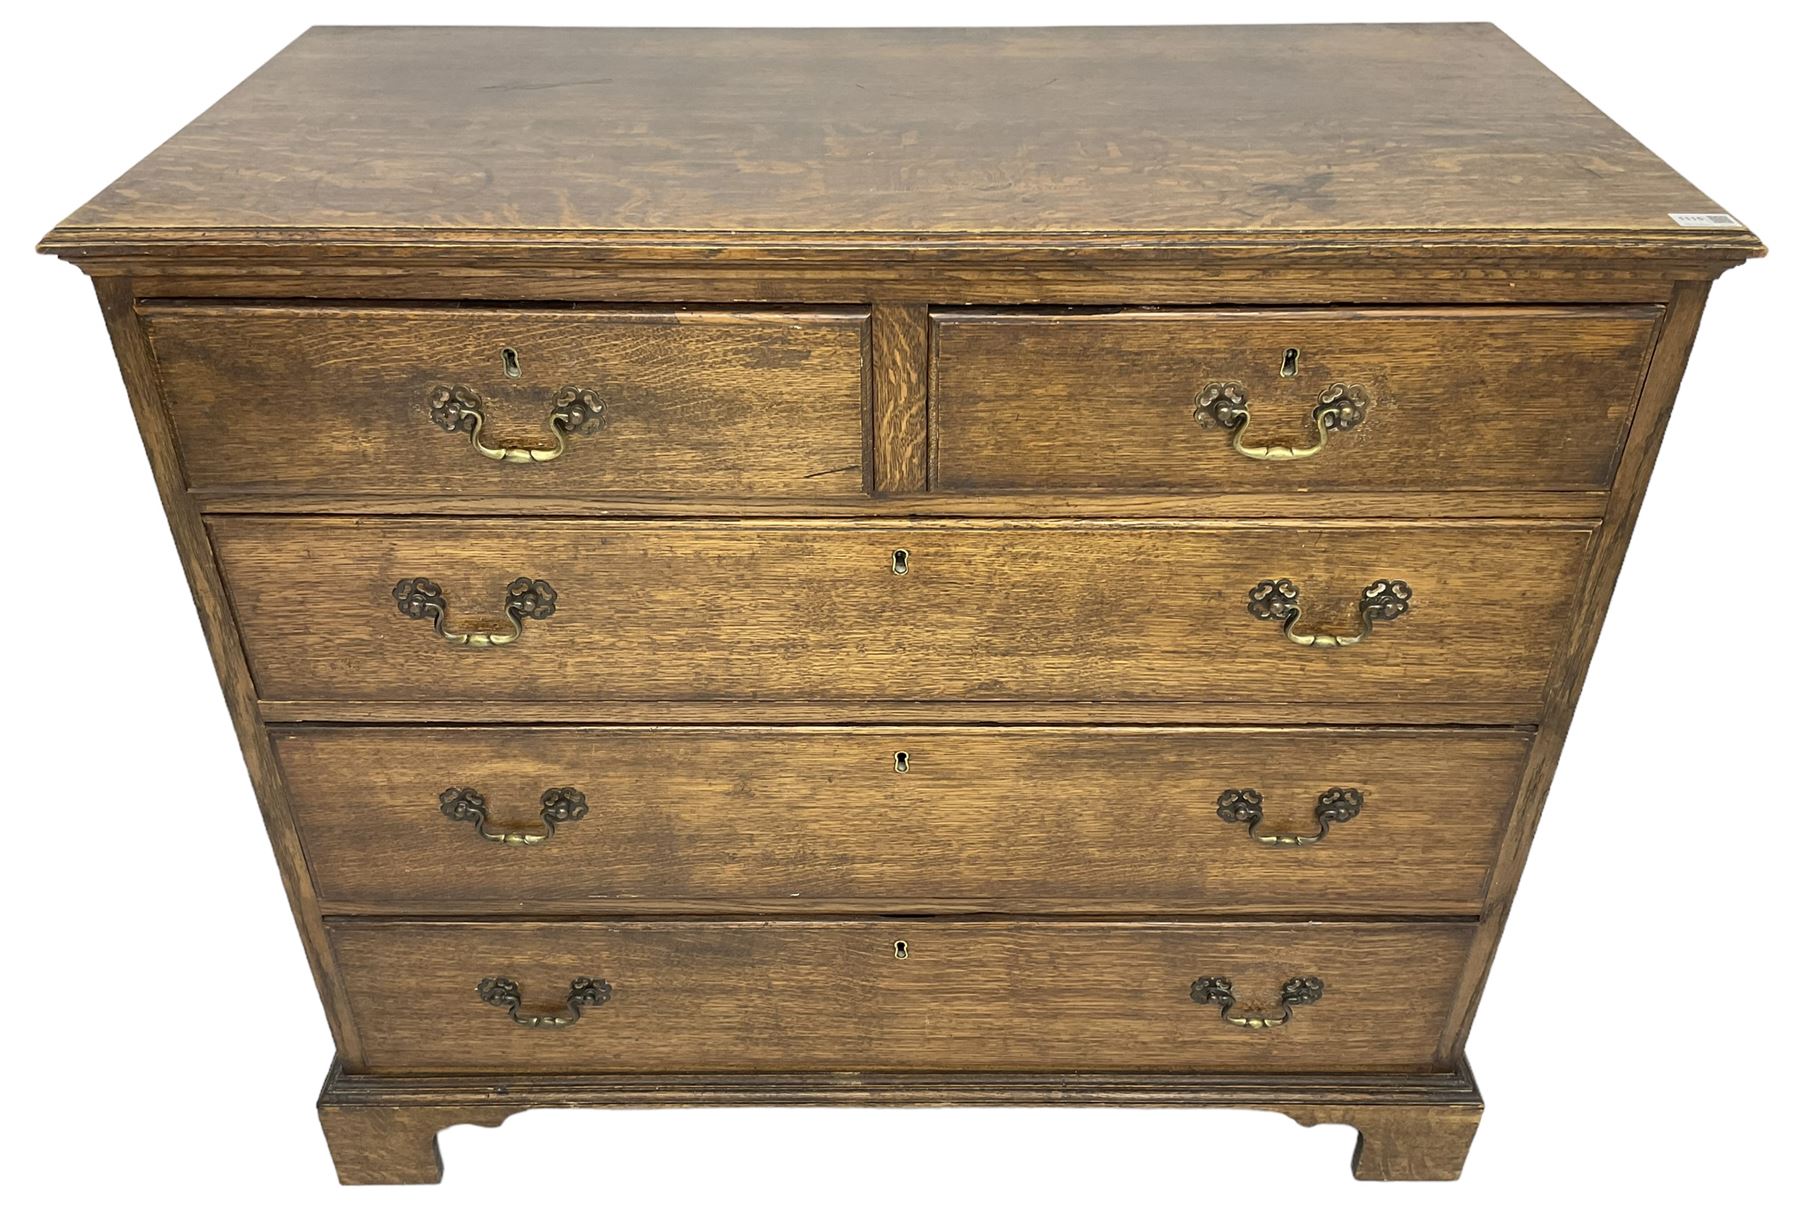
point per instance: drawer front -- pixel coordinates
(1463, 399)
(832, 995)
(873, 819)
(765, 611)
(357, 401)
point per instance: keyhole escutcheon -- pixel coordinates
(902, 560)
(902, 761)
(509, 362)
(1290, 363)
(900, 949)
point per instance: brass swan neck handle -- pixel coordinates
(558, 805)
(1224, 403)
(525, 598)
(1216, 990)
(585, 992)
(1246, 805)
(1382, 601)
(457, 407)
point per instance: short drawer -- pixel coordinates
(836, 995)
(377, 401)
(1393, 400)
(879, 819)
(901, 611)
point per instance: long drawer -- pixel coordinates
(876, 819)
(386, 401)
(836, 995)
(1385, 399)
(418, 610)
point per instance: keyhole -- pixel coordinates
(902, 761)
(899, 950)
(901, 561)
(509, 361)
(1290, 364)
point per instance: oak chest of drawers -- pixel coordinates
(932, 567)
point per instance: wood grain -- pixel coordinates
(741, 240)
(373, 1144)
(1011, 819)
(1403, 1142)
(991, 273)
(770, 611)
(1322, 505)
(1458, 399)
(1414, 1126)
(831, 995)
(714, 138)
(1367, 709)
(225, 645)
(1658, 402)
(338, 399)
(900, 337)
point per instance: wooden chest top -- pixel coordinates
(471, 140)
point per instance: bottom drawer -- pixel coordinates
(838, 995)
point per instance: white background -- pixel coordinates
(1636, 1044)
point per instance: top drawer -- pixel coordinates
(1512, 398)
(377, 401)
